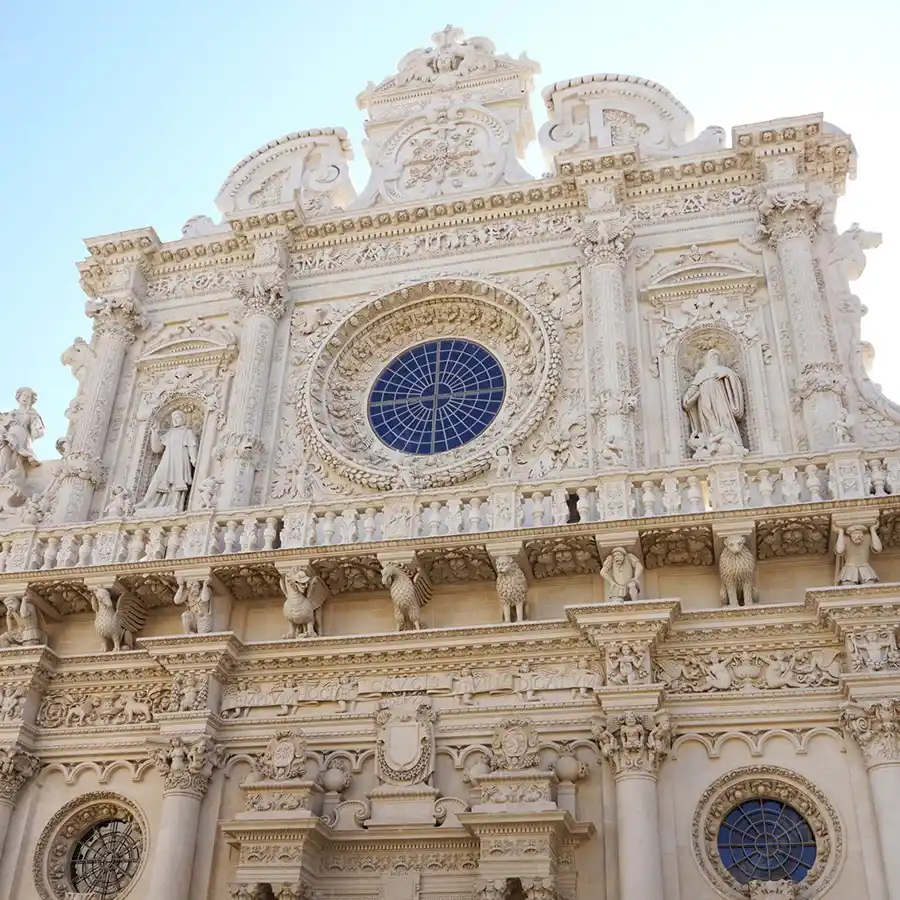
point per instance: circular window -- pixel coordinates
(436, 397)
(95, 846)
(105, 860)
(766, 840)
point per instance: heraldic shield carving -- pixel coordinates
(404, 749)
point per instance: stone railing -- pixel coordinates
(612, 496)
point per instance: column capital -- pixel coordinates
(634, 741)
(875, 727)
(187, 765)
(604, 241)
(786, 214)
(117, 316)
(16, 767)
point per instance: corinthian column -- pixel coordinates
(261, 292)
(16, 767)
(604, 242)
(117, 320)
(635, 743)
(876, 728)
(790, 221)
(186, 767)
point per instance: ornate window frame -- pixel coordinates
(50, 865)
(739, 785)
(332, 410)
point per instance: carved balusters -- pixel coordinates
(51, 552)
(86, 550)
(230, 539)
(270, 533)
(369, 524)
(134, 549)
(537, 509)
(583, 505)
(559, 506)
(67, 551)
(878, 476)
(5, 547)
(474, 515)
(155, 543)
(648, 498)
(431, 518)
(766, 487)
(329, 527)
(173, 541)
(694, 495)
(814, 483)
(249, 535)
(349, 526)
(790, 486)
(671, 499)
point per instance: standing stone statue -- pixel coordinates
(196, 595)
(714, 403)
(23, 624)
(172, 479)
(852, 556)
(19, 429)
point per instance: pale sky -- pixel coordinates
(119, 116)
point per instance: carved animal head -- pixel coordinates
(298, 579)
(390, 571)
(504, 564)
(735, 543)
(103, 597)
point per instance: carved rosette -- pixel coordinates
(635, 743)
(187, 767)
(876, 728)
(16, 767)
(332, 414)
(766, 782)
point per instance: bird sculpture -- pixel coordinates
(117, 623)
(409, 593)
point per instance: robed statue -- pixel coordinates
(714, 403)
(19, 429)
(172, 479)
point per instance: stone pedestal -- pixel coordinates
(515, 792)
(393, 805)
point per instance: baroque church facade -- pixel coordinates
(475, 536)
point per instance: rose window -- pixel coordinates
(106, 858)
(766, 840)
(436, 396)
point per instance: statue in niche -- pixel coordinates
(172, 479)
(19, 429)
(714, 403)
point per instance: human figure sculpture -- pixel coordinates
(19, 429)
(196, 596)
(120, 504)
(23, 624)
(622, 571)
(503, 465)
(172, 479)
(714, 403)
(852, 556)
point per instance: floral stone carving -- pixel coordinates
(330, 406)
(284, 757)
(515, 746)
(873, 650)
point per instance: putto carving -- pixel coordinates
(12, 701)
(512, 589)
(714, 403)
(749, 670)
(515, 746)
(635, 742)
(24, 626)
(187, 766)
(737, 569)
(120, 504)
(847, 254)
(784, 215)
(284, 758)
(622, 572)
(873, 650)
(404, 744)
(172, 478)
(196, 595)
(117, 622)
(852, 549)
(409, 593)
(628, 663)
(304, 595)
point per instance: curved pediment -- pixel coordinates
(701, 268)
(189, 340)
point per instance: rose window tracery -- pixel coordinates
(106, 858)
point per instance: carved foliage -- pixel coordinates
(515, 746)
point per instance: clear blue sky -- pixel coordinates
(118, 116)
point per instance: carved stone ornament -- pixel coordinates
(331, 404)
(873, 650)
(186, 766)
(777, 538)
(284, 757)
(16, 767)
(876, 728)
(58, 839)
(773, 890)
(749, 670)
(737, 569)
(634, 742)
(767, 782)
(688, 546)
(404, 744)
(512, 589)
(515, 746)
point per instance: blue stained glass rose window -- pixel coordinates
(766, 840)
(436, 396)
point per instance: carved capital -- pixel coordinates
(16, 767)
(78, 464)
(876, 728)
(248, 891)
(187, 766)
(116, 317)
(240, 445)
(785, 215)
(634, 742)
(605, 242)
(296, 891)
(262, 291)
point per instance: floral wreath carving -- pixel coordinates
(50, 865)
(774, 782)
(332, 414)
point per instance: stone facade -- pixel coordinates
(252, 651)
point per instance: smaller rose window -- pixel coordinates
(766, 840)
(106, 858)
